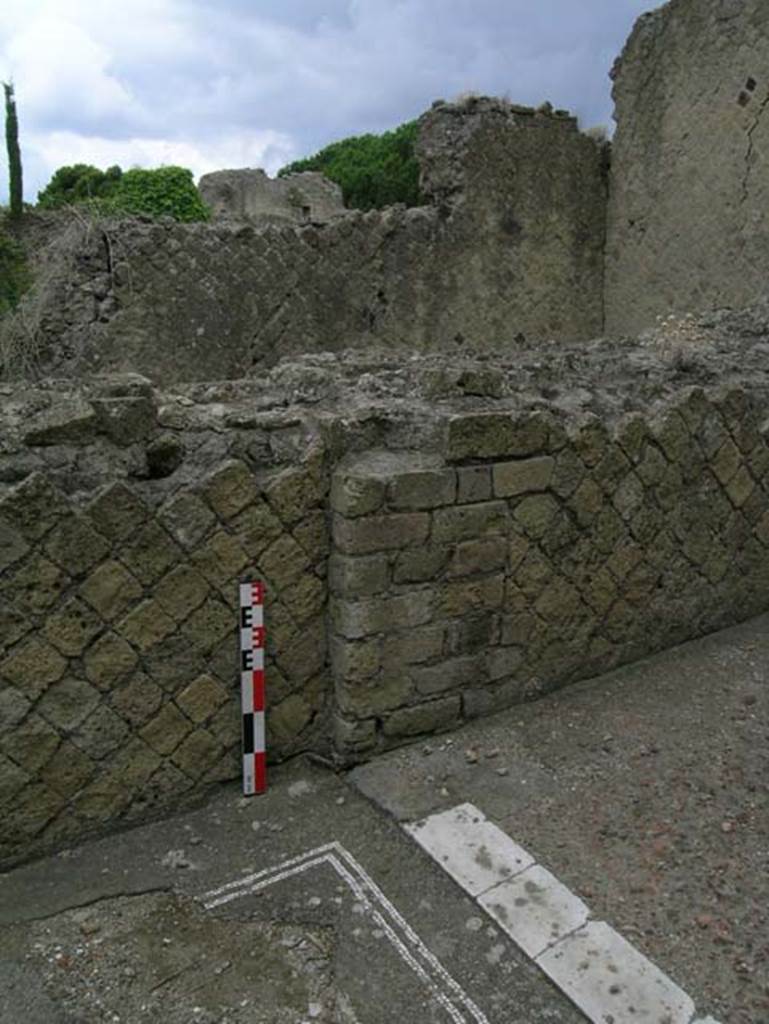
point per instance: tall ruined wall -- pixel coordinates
(688, 227)
(248, 194)
(439, 540)
(508, 247)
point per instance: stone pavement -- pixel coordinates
(645, 792)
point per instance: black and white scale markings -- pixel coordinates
(252, 689)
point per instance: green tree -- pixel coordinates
(372, 170)
(14, 152)
(78, 183)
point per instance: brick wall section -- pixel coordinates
(537, 555)
(118, 665)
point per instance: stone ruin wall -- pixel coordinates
(509, 246)
(427, 560)
(248, 194)
(688, 221)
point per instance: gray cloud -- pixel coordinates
(186, 80)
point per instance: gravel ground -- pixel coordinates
(647, 793)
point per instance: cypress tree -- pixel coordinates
(14, 153)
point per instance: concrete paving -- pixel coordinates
(645, 793)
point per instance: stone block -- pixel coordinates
(355, 660)
(314, 535)
(284, 562)
(202, 698)
(33, 808)
(208, 626)
(587, 501)
(630, 434)
(287, 721)
(359, 619)
(181, 592)
(111, 590)
(174, 662)
(67, 702)
(108, 660)
(469, 634)
(535, 514)
(672, 435)
(727, 461)
(146, 625)
(33, 666)
(187, 518)
(13, 546)
(306, 656)
(73, 627)
(32, 743)
(420, 564)
(369, 534)
(418, 645)
(137, 699)
(559, 604)
(12, 780)
(487, 700)
(151, 553)
(117, 512)
(628, 496)
(740, 487)
(422, 489)
(474, 557)
(102, 799)
(533, 574)
(355, 494)
(652, 466)
(762, 529)
(590, 439)
(373, 696)
(462, 597)
(101, 733)
(354, 735)
(358, 577)
(66, 421)
(494, 435)
(34, 506)
(428, 717)
(473, 484)
(449, 675)
(612, 468)
(33, 586)
(13, 707)
(469, 522)
(256, 528)
(305, 599)
(522, 476)
(220, 559)
(294, 491)
(197, 754)
(125, 421)
(166, 730)
(229, 489)
(68, 770)
(568, 473)
(519, 629)
(13, 625)
(75, 546)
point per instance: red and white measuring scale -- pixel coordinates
(252, 687)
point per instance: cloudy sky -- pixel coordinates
(256, 83)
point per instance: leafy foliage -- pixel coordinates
(14, 152)
(15, 276)
(164, 191)
(78, 183)
(372, 170)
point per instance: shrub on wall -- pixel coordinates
(164, 191)
(372, 170)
